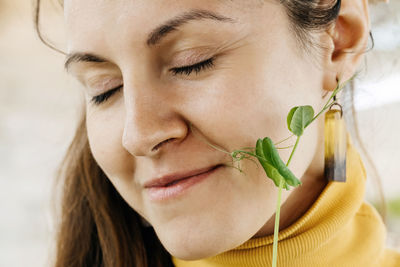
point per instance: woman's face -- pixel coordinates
(141, 131)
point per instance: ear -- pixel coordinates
(346, 41)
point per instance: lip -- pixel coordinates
(169, 178)
(173, 185)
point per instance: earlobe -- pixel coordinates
(346, 41)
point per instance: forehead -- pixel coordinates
(82, 7)
(93, 24)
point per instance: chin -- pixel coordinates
(189, 249)
(196, 244)
(191, 255)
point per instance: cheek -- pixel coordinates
(105, 135)
(246, 108)
(105, 139)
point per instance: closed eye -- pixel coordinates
(187, 70)
(97, 100)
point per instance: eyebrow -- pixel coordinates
(156, 35)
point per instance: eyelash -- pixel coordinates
(97, 100)
(187, 70)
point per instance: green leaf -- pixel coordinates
(290, 116)
(273, 165)
(299, 118)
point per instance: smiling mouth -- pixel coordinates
(180, 180)
(173, 178)
(180, 186)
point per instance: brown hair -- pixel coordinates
(98, 228)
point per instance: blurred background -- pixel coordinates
(40, 106)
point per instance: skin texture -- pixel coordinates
(259, 73)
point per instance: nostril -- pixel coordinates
(162, 143)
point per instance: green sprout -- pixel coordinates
(298, 119)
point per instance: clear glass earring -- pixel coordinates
(335, 144)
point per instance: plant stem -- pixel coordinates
(294, 149)
(278, 211)
(335, 92)
(286, 147)
(276, 229)
(247, 153)
(284, 140)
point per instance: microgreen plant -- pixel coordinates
(266, 152)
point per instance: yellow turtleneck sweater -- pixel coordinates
(340, 229)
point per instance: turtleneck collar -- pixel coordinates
(339, 229)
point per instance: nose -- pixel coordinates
(150, 123)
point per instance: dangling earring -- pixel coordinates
(335, 144)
